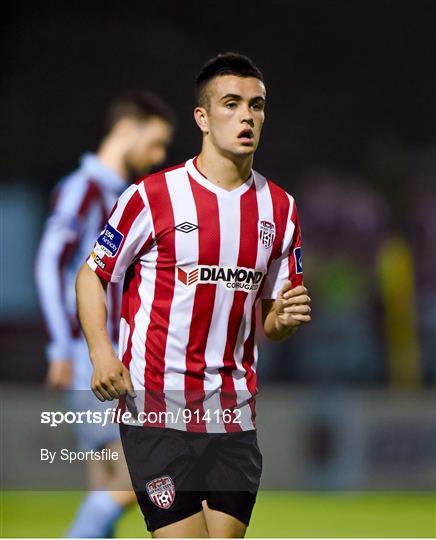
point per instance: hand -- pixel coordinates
(111, 379)
(60, 374)
(292, 307)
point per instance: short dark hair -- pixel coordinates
(139, 104)
(224, 64)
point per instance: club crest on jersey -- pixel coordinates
(267, 232)
(109, 241)
(298, 260)
(161, 491)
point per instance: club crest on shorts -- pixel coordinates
(267, 232)
(161, 491)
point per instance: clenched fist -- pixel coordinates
(292, 307)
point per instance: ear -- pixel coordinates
(125, 127)
(200, 116)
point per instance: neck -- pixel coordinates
(111, 155)
(223, 170)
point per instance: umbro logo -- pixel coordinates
(186, 227)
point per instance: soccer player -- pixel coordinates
(200, 245)
(139, 129)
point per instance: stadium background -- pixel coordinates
(346, 412)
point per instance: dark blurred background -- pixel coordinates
(350, 132)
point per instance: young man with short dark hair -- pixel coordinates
(199, 244)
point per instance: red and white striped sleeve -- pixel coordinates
(289, 266)
(127, 234)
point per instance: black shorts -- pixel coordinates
(173, 471)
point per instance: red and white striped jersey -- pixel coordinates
(81, 206)
(196, 259)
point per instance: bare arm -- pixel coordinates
(283, 315)
(110, 379)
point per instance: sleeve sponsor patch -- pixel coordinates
(110, 240)
(98, 261)
(298, 260)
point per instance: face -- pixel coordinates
(235, 114)
(149, 144)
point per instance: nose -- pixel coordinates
(247, 116)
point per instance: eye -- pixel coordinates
(231, 105)
(257, 106)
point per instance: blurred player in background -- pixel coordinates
(200, 244)
(139, 129)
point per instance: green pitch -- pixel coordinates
(277, 514)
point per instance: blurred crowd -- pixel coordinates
(369, 263)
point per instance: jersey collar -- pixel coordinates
(201, 179)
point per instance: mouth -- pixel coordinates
(246, 136)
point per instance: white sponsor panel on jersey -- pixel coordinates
(231, 277)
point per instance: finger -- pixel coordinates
(128, 383)
(98, 395)
(297, 309)
(302, 299)
(301, 317)
(109, 383)
(296, 291)
(287, 285)
(119, 387)
(102, 390)
(111, 390)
